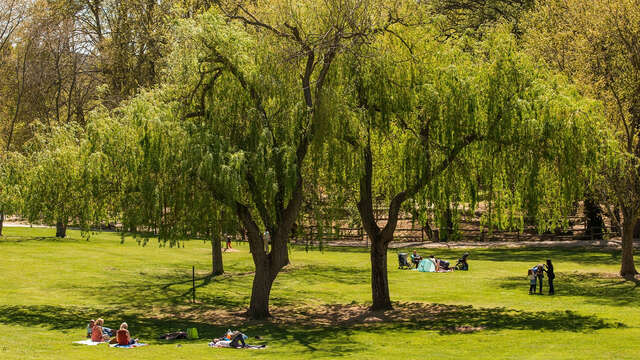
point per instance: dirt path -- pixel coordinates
(604, 244)
(24, 225)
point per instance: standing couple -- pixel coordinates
(536, 275)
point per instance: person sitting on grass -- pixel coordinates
(97, 334)
(123, 337)
(90, 328)
(415, 259)
(435, 262)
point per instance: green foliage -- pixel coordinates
(11, 177)
(56, 177)
(466, 123)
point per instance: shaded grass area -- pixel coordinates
(302, 325)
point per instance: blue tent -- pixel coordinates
(426, 265)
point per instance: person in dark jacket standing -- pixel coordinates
(550, 276)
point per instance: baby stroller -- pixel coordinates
(402, 261)
(462, 263)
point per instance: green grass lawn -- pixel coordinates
(50, 288)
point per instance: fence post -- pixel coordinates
(193, 278)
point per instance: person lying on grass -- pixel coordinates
(230, 341)
(123, 337)
(234, 340)
(443, 265)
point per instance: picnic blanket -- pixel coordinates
(89, 342)
(426, 265)
(127, 346)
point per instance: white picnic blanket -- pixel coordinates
(89, 342)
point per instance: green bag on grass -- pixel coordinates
(192, 333)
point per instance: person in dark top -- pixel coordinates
(550, 276)
(415, 258)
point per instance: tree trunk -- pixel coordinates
(379, 238)
(217, 267)
(61, 229)
(268, 265)
(379, 280)
(1, 222)
(614, 224)
(261, 290)
(595, 222)
(447, 234)
(628, 268)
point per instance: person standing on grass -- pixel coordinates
(550, 276)
(539, 271)
(228, 242)
(532, 282)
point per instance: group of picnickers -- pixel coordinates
(431, 263)
(536, 276)
(97, 332)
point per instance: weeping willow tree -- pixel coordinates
(224, 139)
(11, 175)
(148, 176)
(595, 43)
(56, 177)
(435, 125)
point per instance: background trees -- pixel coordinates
(196, 119)
(55, 179)
(596, 44)
(452, 127)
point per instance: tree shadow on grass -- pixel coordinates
(310, 327)
(314, 274)
(229, 291)
(598, 288)
(174, 289)
(29, 239)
